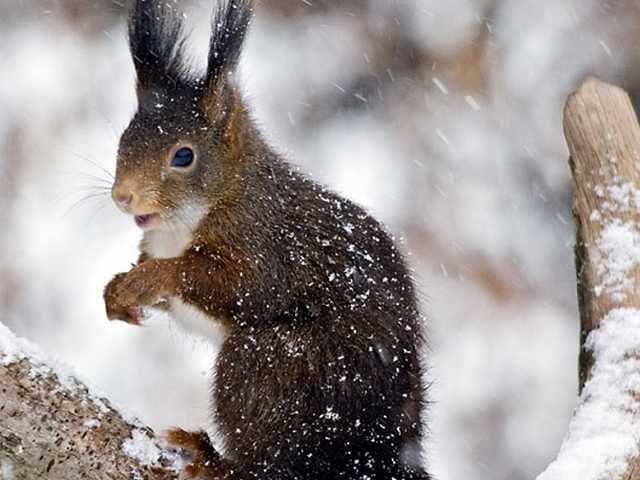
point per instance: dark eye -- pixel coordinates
(183, 158)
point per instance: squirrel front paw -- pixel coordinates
(128, 292)
(115, 310)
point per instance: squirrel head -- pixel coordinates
(184, 141)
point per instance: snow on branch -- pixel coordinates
(603, 135)
(54, 426)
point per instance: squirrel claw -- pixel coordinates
(131, 316)
(116, 310)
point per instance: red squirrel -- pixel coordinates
(319, 375)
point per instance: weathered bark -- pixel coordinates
(52, 427)
(603, 136)
(602, 132)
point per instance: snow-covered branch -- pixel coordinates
(603, 135)
(54, 426)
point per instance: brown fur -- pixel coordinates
(320, 375)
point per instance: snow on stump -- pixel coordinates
(52, 426)
(603, 135)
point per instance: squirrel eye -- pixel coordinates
(183, 158)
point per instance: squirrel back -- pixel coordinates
(319, 375)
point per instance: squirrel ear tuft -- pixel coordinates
(230, 22)
(157, 41)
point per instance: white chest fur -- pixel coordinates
(172, 242)
(175, 236)
(195, 322)
(167, 242)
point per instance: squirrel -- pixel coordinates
(319, 375)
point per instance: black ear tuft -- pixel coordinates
(231, 20)
(157, 40)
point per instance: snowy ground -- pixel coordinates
(470, 168)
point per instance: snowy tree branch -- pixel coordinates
(603, 136)
(53, 426)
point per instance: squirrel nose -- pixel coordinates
(123, 199)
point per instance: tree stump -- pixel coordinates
(603, 135)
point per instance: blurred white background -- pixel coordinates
(443, 117)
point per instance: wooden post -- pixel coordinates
(603, 135)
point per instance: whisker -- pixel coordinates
(88, 176)
(103, 188)
(95, 213)
(101, 195)
(64, 196)
(92, 162)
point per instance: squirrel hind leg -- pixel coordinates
(205, 463)
(192, 442)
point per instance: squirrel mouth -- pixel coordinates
(145, 222)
